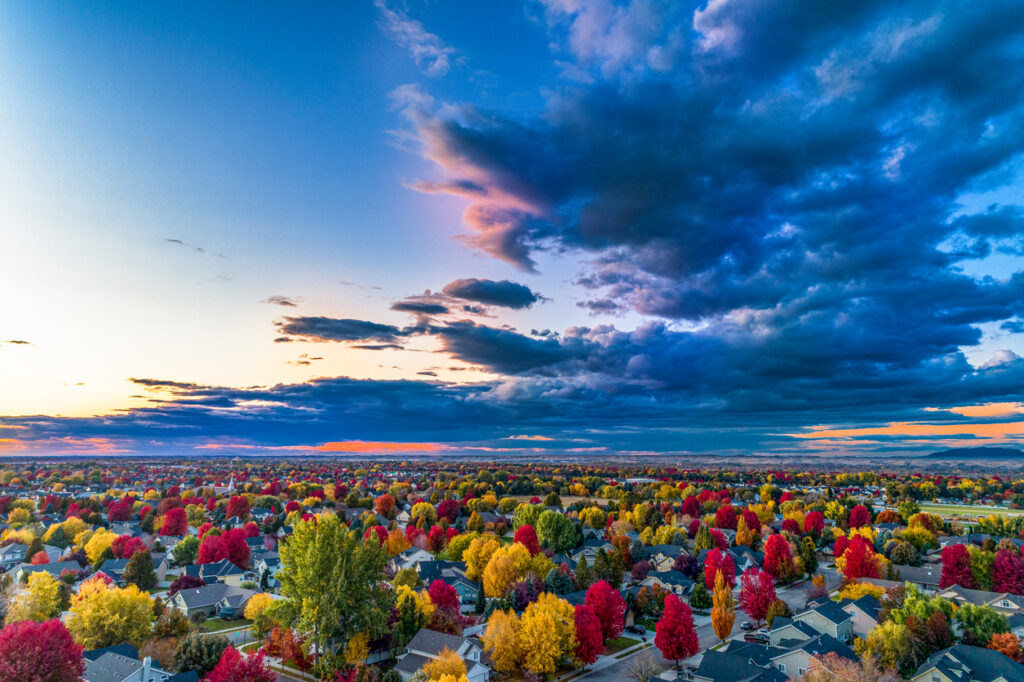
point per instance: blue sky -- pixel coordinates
(602, 227)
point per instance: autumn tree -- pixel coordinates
(104, 615)
(39, 652)
(956, 567)
(833, 667)
(778, 558)
(259, 612)
(717, 562)
(859, 516)
(1007, 644)
(238, 507)
(345, 573)
(447, 663)
(175, 522)
(675, 634)
(589, 636)
(527, 537)
(723, 611)
(38, 601)
(609, 607)
(757, 592)
(139, 571)
(503, 640)
(547, 633)
(233, 667)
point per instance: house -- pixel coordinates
(216, 599)
(785, 632)
(1004, 602)
(963, 663)
(222, 571)
(589, 549)
(727, 666)
(797, 659)
(926, 576)
(121, 663)
(864, 614)
(22, 572)
(12, 555)
(663, 557)
(828, 618)
(409, 557)
(671, 581)
(427, 645)
(114, 569)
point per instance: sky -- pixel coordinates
(594, 228)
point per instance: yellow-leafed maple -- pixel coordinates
(397, 542)
(100, 541)
(447, 664)
(723, 610)
(478, 554)
(502, 640)
(548, 633)
(39, 601)
(103, 615)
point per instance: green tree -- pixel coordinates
(808, 556)
(703, 539)
(200, 653)
(139, 571)
(335, 583)
(557, 532)
(187, 551)
(583, 575)
(700, 597)
(979, 623)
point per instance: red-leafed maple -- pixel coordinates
(175, 522)
(233, 667)
(778, 557)
(717, 560)
(39, 652)
(589, 636)
(674, 635)
(956, 567)
(443, 595)
(859, 516)
(608, 606)
(527, 537)
(757, 592)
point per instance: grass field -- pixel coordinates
(968, 510)
(216, 624)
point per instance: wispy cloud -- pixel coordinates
(432, 55)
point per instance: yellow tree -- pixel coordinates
(502, 639)
(257, 611)
(39, 601)
(548, 633)
(104, 615)
(100, 541)
(723, 610)
(357, 649)
(447, 663)
(478, 554)
(397, 542)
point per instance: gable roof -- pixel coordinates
(962, 661)
(111, 667)
(433, 642)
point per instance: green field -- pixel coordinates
(968, 510)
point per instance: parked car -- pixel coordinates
(636, 629)
(755, 638)
(746, 625)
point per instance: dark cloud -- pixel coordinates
(335, 329)
(286, 301)
(419, 307)
(17, 342)
(489, 292)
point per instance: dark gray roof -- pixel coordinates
(126, 650)
(833, 612)
(410, 663)
(111, 667)
(207, 595)
(434, 642)
(975, 663)
(727, 667)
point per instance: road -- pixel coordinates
(795, 596)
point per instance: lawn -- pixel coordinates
(617, 645)
(648, 623)
(218, 625)
(968, 510)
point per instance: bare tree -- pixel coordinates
(833, 668)
(643, 667)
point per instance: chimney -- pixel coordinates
(147, 667)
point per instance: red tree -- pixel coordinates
(175, 522)
(384, 504)
(211, 549)
(120, 510)
(674, 635)
(778, 557)
(956, 567)
(236, 549)
(861, 560)
(717, 560)
(791, 526)
(40, 558)
(237, 506)
(757, 592)
(691, 507)
(184, 582)
(589, 635)
(448, 509)
(859, 516)
(725, 517)
(443, 595)
(1007, 644)
(251, 530)
(39, 652)
(527, 537)
(719, 538)
(125, 546)
(435, 539)
(814, 521)
(378, 532)
(1008, 571)
(608, 606)
(203, 530)
(233, 667)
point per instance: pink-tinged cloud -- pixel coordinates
(984, 410)
(63, 446)
(347, 446)
(997, 430)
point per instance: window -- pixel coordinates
(936, 678)
(801, 671)
(782, 667)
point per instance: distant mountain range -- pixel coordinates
(978, 453)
